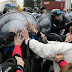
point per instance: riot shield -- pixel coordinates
(30, 19)
(15, 19)
(44, 23)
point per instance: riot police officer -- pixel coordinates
(53, 23)
(57, 21)
(9, 7)
(43, 10)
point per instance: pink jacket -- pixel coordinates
(62, 63)
(17, 50)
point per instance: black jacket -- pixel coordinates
(10, 65)
(57, 25)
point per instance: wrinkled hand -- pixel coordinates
(59, 57)
(17, 40)
(12, 29)
(19, 61)
(44, 38)
(32, 27)
(25, 33)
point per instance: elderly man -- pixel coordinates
(50, 49)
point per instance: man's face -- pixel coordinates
(44, 11)
(57, 17)
(68, 37)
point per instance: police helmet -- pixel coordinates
(55, 12)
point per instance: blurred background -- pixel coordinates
(59, 4)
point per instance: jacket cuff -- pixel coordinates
(19, 67)
(17, 51)
(62, 63)
(18, 71)
(16, 55)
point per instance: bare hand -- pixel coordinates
(59, 57)
(44, 38)
(32, 27)
(12, 29)
(25, 33)
(19, 61)
(17, 40)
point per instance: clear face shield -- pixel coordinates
(44, 23)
